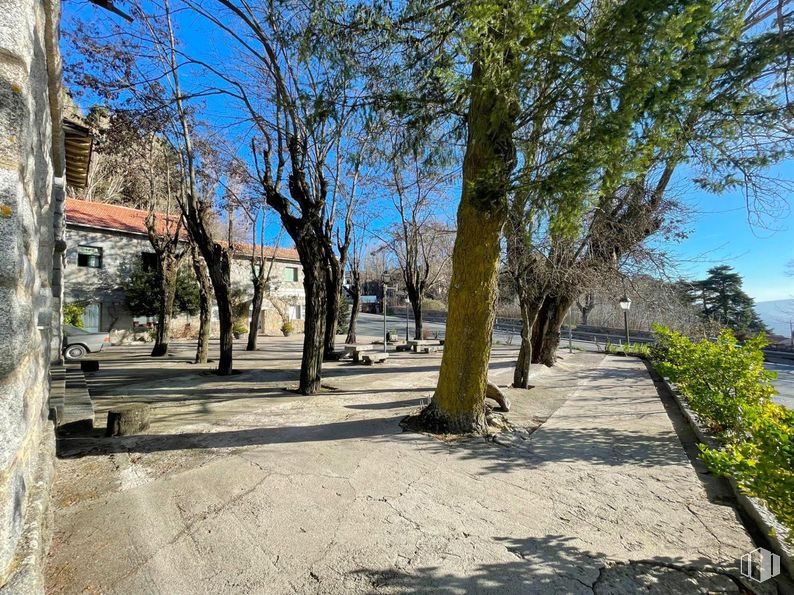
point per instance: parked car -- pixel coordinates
(77, 342)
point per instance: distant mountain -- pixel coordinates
(776, 315)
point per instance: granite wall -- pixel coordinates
(31, 183)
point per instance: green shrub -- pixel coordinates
(763, 465)
(728, 388)
(239, 327)
(73, 314)
(287, 328)
(719, 379)
(343, 320)
(636, 349)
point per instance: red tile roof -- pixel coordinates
(117, 218)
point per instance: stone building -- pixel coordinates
(104, 240)
(33, 171)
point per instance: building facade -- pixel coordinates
(103, 242)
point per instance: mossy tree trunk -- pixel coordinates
(458, 403)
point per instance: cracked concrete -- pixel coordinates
(244, 488)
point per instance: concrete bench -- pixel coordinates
(374, 358)
(425, 345)
(357, 350)
(403, 347)
(428, 348)
(417, 344)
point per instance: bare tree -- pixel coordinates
(261, 270)
(417, 240)
(296, 104)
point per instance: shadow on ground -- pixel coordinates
(554, 564)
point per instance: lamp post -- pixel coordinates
(385, 278)
(625, 304)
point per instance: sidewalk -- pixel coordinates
(327, 495)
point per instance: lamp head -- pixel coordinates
(625, 303)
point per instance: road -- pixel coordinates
(784, 383)
(372, 325)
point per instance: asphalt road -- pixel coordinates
(372, 325)
(784, 383)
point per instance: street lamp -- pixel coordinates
(625, 304)
(385, 278)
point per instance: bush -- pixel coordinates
(729, 389)
(720, 379)
(762, 465)
(636, 349)
(287, 328)
(343, 320)
(73, 314)
(239, 327)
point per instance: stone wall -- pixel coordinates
(31, 170)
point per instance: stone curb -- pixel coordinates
(763, 519)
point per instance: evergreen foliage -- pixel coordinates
(142, 290)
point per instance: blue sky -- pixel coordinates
(720, 233)
(719, 230)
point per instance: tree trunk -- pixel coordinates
(459, 402)
(205, 304)
(168, 267)
(315, 286)
(256, 313)
(220, 274)
(416, 306)
(355, 289)
(529, 314)
(333, 295)
(546, 332)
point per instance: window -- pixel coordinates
(290, 274)
(149, 260)
(92, 316)
(295, 312)
(89, 256)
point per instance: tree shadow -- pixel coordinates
(346, 430)
(556, 564)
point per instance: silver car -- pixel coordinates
(77, 342)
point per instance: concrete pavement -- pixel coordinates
(278, 493)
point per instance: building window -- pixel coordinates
(89, 256)
(149, 260)
(92, 318)
(291, 274)
(296, 312)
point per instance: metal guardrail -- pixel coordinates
(513, 326)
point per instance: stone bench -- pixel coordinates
(356, 351)
(428, 349)
(420, 344)
(374, 358)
